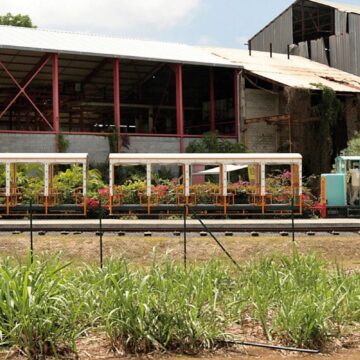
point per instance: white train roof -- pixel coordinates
(200, 158)
(54, 158)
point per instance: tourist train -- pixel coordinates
(246, 184)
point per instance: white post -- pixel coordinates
(187, 180)
(46, 179)
(224, 179)
(84, 178)
(148, 179)
(7, 179)
(111, 180)
(262, 179)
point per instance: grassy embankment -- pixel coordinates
(47, 305)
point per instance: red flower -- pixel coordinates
(104, 191)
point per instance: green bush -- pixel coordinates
(211, 142)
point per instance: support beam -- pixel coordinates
(93, 73)
(179, 105)
(21, 90)
(116, 82)
(55, 94)
(212, 100)
(239, 104)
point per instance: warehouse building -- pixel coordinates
(320, 30)
(87, 93)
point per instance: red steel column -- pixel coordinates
(55, 90)
(212, 101)
(236, 103)
(179, 106)
(116, 75)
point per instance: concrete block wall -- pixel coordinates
(27, 143)
(260, 136)
(150, 144)
(260, 103)
(96, 146)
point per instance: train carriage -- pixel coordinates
(223, 200)
(15, 199)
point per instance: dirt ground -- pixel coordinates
(343, 251)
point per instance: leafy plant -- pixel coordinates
(63, 143)
(330, 112)
(353, 146)
(34, 310)
(113, 141)
(212, 143)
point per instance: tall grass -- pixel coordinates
(296, 300)
(163, 308)
(34, 309)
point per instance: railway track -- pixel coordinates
(219, 226)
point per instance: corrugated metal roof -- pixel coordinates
(350, 8)
(296, 72)
(87, 44)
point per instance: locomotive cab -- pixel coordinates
(340, 190)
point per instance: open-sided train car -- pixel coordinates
(222, 199)
(340, 189)
(48, 200)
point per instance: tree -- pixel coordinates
(330, 108)
(16, 20)
(212, 143)
(353, 146)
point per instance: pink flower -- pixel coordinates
(286, 174)
(104, 191)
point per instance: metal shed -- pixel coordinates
(325, 31)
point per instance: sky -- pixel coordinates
(228, 23)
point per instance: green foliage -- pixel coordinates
(35, 314)
(67, 181)
(212, 143)
(297, 301)
(30, 180)
(131, 190)
(63, 143)
(2, 176)
(330, 113)
(113, 141)
(353, 146)
(16, 20)
(165, 309)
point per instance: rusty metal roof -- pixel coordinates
(350, 8)
(295, 72)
